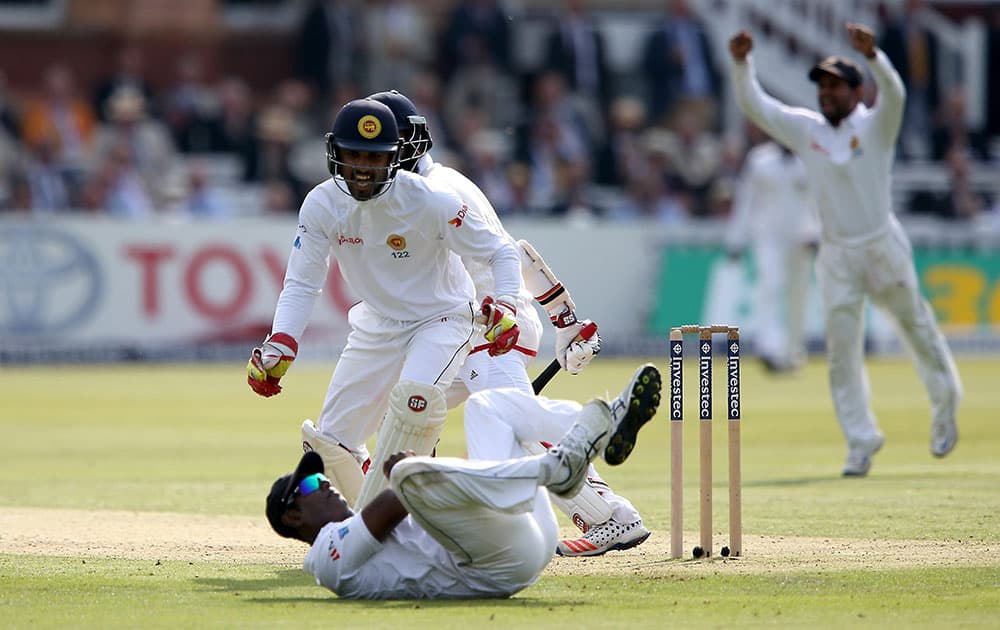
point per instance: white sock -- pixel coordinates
(547, 466)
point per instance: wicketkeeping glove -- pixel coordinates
(574, 354)
(500, 318)
(269, 362)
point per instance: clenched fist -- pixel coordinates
(740, 45)
(862, 39)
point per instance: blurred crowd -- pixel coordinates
(569, 138)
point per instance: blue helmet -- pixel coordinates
(363, 125)
(413, 131)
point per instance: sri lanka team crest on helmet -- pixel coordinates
(369, 126)
(396, 242)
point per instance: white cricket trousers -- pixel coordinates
(540, 418)
(379, 353)
(489, 509)
(881, 269)
(783, 270)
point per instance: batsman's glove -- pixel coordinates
(500, 318)
(269, 362)
(572, 352)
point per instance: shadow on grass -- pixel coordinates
(294, 578)
(280, 579)
(465, 605)
(873, 478)
(796, 481)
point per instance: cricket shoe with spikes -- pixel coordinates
(634, 407)
(600, 539)
(582, 443)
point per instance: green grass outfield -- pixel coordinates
(132, 496)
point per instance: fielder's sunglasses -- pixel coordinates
(306, 487)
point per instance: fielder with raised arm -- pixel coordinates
(397, 238)
(607, 520)
(848, 151)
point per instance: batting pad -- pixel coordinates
(413, 422)
(588, 507)
(339, 464)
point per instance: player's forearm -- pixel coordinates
(763, 110)
(506, 267)
(747, 90)
(383, 514)
(295, 306)
(891, 98)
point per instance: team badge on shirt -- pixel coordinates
(398, 245)
(855, 146)
(396, 242)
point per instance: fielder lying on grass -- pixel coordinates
(449, 528)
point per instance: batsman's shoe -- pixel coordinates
(635, 407)
(585, 439)
(944, 436)
(859, 458)
(600, 539)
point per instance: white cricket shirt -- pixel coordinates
(772, 203)
(482, 274)
(849, 166)
(396, 251)
(409, 564)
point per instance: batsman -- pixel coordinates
(607, 520)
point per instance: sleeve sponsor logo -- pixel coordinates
(816, 146)
(457, 221)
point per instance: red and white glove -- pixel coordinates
(572, 350)
(500, 318)
(269, 362)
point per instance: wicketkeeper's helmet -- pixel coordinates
(363, 125)
(413, 130)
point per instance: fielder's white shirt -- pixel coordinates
(772, 203)
(849, 166)
(396, 251)
(409, 564)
